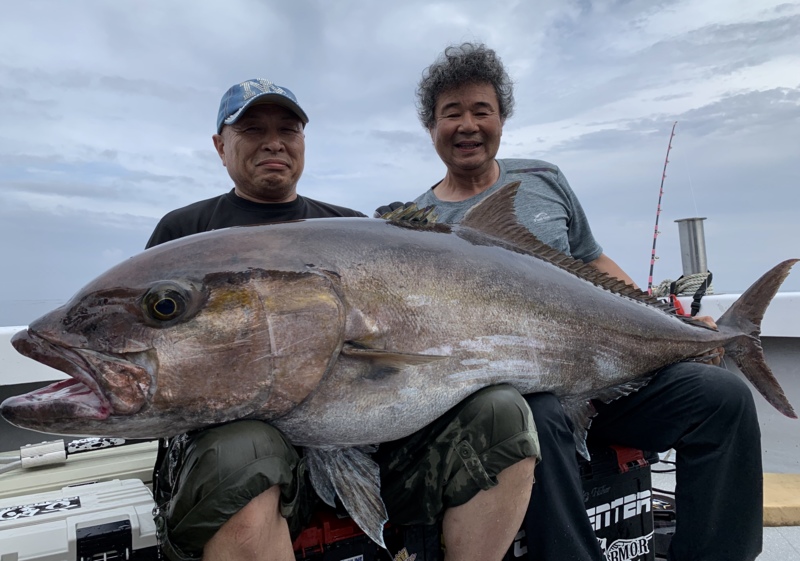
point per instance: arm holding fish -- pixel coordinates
(715, 356)
(608, 266)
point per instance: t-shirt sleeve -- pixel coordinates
(424, 199)
(163, 233)
(582, 244)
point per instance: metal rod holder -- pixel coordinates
(693, 245)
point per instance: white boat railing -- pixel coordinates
(781, 320)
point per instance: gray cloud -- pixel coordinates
(106, 129)
(734, 114)
(600, 73)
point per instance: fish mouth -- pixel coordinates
(102, 384)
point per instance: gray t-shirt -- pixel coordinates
(545, 204)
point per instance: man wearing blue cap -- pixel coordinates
(203, 479)
(260, 140)
(239, 491)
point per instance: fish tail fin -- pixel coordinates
(744, 317)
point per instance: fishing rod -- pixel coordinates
(658, 212)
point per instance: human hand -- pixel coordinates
(713, 357)
(391, 207)
(708, 320)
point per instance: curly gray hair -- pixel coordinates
(458, 66)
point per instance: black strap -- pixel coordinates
(673, 287)
(699, 293)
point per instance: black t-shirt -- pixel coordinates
(231, 210)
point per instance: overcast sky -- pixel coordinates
(107, 110)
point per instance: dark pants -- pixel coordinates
(708, 416)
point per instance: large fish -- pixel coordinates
(350, 332)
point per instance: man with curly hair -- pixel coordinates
(704, 413)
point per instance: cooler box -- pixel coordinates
(617, 495)
(108, 521)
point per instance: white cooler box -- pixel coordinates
(107, 521)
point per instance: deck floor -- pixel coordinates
(781, 543)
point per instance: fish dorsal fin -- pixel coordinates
(495, 216)
(355, 478)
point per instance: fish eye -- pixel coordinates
(164, 303)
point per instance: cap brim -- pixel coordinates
(268, 98)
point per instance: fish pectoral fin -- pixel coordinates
(355, 478)
(317, 472)
(580, 413)
(388, 358)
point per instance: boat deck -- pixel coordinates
(781, 514)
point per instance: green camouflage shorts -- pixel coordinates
(448, 462)
(208, 476)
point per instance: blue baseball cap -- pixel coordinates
(253, 92)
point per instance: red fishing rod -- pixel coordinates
(658, 212)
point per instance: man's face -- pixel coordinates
(264, 152)
(468, 128)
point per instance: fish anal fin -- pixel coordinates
(580, 413)
(354, 477)
(621, 390)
